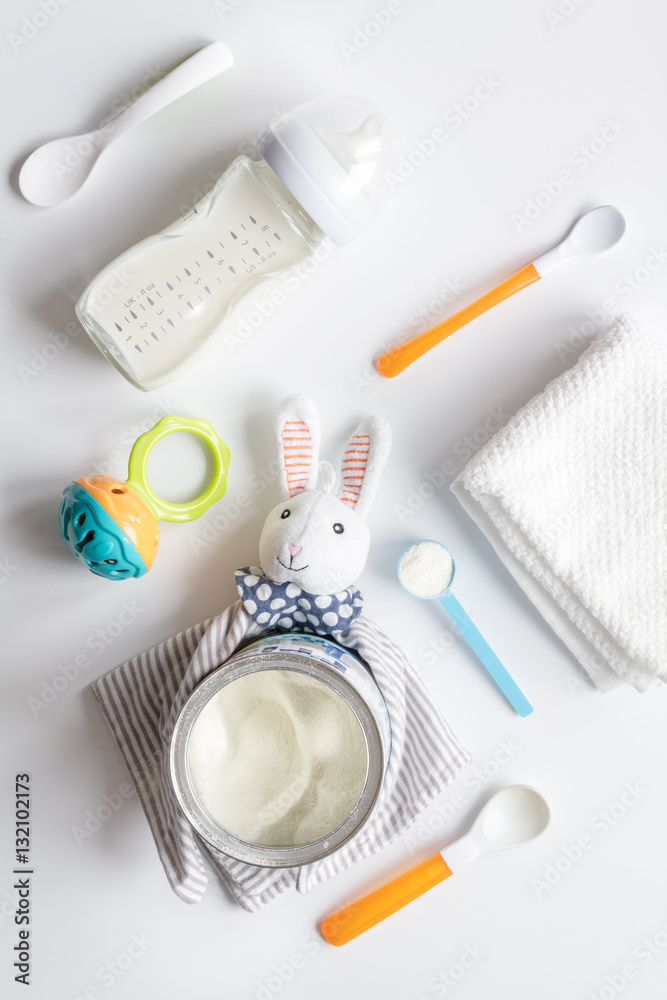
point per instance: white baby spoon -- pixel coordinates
(56, 170)
(593, 232)
(511, 817)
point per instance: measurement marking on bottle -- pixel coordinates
(170, 287)
(232, 269)
(277, 237)
(255, 250)
(209, 253)
(170, 322)
(207, 289)
(189, 273)
(234, 236)
(254, 221)
(150, 301)
(119, 327)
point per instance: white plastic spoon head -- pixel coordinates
(594, 232)
(426, 570)
(511, 817)
(56, 171)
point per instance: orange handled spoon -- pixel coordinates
(593, 232)
(513, 816)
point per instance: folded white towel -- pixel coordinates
(572, 494)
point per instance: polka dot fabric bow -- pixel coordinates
(286, 606)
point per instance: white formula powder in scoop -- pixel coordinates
(426, 569)
(277, 758)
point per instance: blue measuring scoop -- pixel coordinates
(426, 570)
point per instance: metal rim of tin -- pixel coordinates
(255, 854)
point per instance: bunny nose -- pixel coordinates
(294, 550)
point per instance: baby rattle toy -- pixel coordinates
(112, 526)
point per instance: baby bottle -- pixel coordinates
(156, 309)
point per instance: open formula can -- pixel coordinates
(278, 756)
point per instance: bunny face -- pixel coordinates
(316, 541)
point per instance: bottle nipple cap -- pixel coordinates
(332, 155)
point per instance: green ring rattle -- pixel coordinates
(112, 526)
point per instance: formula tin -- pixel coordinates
(322, 660)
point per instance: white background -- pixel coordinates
(455, 218)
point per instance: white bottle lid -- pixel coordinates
(332, 155)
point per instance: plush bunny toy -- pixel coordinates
(314, 544)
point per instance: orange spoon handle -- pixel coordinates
(394, 361)
(353, 920)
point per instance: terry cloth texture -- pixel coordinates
(572, 494)
(141, 700)
(287, 606)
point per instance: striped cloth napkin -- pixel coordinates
(142, 698)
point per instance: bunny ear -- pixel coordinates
(365, 455)
(298, 433)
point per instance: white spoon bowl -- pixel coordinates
(56, 170)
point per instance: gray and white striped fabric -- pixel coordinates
(141, 700)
